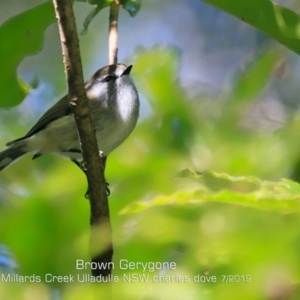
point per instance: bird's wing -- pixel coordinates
(59, 110)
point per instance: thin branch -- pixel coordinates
(94, 163)
(113, 33)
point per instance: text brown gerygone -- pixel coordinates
(114, 105)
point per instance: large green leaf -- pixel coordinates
(278, 22)
(20, 36)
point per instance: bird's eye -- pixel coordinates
(108, 78)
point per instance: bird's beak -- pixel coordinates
(127, 71)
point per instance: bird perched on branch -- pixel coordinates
(114, 105)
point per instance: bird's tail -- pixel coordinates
(9, 155)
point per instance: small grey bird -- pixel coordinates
(114, 105)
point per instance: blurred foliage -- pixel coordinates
(250, 85)
(191, 185)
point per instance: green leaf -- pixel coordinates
(253, 81)
(132, 6)
(20, 36)
(99, 5)
(279, 196)
(278, 22)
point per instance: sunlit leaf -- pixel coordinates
(280, 196)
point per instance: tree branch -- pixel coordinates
(94, 163)
(113, 33)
